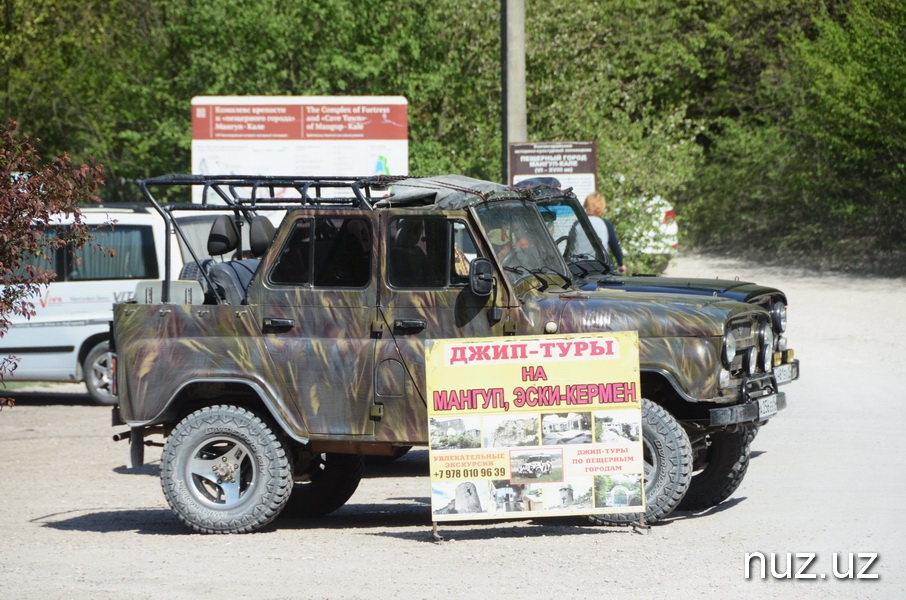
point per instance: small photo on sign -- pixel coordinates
(618, 491)
(455, 432)
(507, 431)
(570, 495)
(460, 498)
(566, 428)
(508, 497)
(536, 466)
(617, 426)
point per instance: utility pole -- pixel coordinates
(512, 73)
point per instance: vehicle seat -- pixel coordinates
(229, 278)
(223, 237)
(232, 279)
(408, 263)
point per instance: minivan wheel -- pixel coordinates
(98, 373)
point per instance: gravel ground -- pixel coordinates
(825, 479)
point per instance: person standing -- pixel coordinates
(595, 206)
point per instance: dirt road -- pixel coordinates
(826, 478)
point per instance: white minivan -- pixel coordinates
(67, 338)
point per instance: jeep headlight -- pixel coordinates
(728, 349)
(765, 347)
(750, 360)
(765, 336)
(766, 358)
(778, 317)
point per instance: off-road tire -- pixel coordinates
(751, 432)
(98, 375)
(332, 480)
(234, 445)
(668, 467)
(719, 471)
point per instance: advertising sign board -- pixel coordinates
(534, 426)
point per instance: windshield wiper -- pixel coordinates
(585, 271)
(566, 280)
(603, 267)
(519, 270)
(610, 280)
(537, 273)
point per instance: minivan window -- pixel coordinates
(133, 255)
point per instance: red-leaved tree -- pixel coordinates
(32, 192)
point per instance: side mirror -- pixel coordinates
(481, 276)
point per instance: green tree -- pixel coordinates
(121, 91)
(606, 72)
(811, 168)
(773, 125)
(854, 111)
(37, 190)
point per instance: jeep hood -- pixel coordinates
(742, 291)
(652, 315)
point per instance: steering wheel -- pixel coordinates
(509, 260)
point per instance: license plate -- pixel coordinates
(767, 407)
(783, 373)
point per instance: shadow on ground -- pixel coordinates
(47, 397)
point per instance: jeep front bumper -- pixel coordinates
(756, 410)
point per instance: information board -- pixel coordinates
(574, 164)
(300, 135)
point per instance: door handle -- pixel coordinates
(277, 325)
(408, 325)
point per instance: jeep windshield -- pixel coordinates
(521, 241)
(575, 243)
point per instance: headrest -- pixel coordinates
(409, 234)
(261, 232)
(224, 237)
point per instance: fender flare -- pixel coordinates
(171, 410)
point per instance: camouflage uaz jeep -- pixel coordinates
(273, 370)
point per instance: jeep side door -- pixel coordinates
(424, 295)
(315, 303)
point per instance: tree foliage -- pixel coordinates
(775, 125)
(814, 171)
(32, 193)
(855, 71)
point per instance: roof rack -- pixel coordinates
(258, 191)
(248, 195)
